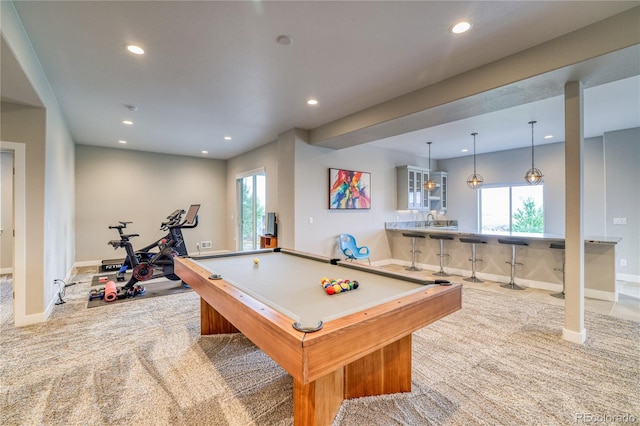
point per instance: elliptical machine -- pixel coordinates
(147, 264)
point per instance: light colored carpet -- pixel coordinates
(499, 361)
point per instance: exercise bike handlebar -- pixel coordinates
(173, 220)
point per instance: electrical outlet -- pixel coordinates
(206, 244)
(623, 262)
(619, 220)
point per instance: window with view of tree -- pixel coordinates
(515, 208)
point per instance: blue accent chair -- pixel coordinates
(351, 250)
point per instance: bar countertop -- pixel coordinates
(451, 227)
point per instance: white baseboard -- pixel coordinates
(574, 337)
(86, 263)
(209, 253)
(6, 271)
(628, 277)
(600, 295)
(23, 321)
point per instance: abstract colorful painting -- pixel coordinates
(349, 189)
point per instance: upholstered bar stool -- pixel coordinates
(441, 238)
(513, 242)
(559, 246)
(473, 260)
(414, 250)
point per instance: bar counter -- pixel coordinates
(538, 259)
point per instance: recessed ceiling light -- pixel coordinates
(135, 49)
(284, 40)
(127, 122)
(312, 102)
(122, 142)
(548, 136)
(460, 27)
(464, 150)
(227, 138)
(205, 152)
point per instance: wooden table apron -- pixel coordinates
(360, 354)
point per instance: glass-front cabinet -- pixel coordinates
(411, 192)
(409, 188)
(438, 197)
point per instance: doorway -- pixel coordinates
(250, 198)
(16, 229)
(6, 212)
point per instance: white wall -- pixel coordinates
(123, 185)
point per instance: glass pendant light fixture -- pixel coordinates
(474, 181)
(533, 175)
(429, 184)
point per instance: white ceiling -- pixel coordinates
(213, 68)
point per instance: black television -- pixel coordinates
(272, 227)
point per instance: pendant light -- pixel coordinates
(474, 181)
(429, 184)
(533, 176)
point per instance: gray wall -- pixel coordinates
(141, 187)
(311, 190)
(622, 195)
(312, 198)
(50, 174)
(262, 157)
(611, 187)
(509, 167)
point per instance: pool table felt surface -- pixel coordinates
(291, 284)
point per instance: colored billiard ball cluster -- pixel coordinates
(333, 286)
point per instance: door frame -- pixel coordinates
(238, 224)
(19, 223)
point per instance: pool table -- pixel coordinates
(357, 343)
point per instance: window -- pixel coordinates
(250, 196)
(516, 208)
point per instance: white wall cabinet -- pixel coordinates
(411, 192)
(410, 188)
(438, 197)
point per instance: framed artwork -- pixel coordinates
(349, 190)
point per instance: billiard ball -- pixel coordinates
(256, 261)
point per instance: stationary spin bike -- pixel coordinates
(156, 259)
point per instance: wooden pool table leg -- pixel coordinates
(211, 322)
(387, 370)
(318, 402)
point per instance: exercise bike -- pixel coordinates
(156, 259)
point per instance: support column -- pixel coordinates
(574, 330)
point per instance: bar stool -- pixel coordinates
(473, 260)
(559, 246)
(442, 238)
(413, 236)
(513, 242)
